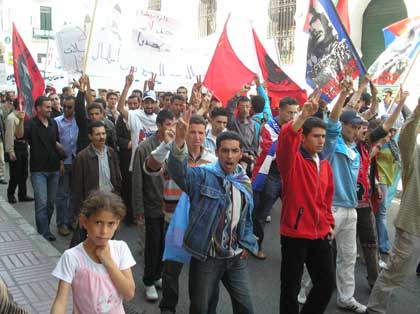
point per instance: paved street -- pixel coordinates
(265, 275)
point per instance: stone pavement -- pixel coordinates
(26, 262)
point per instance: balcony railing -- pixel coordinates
(42, 33)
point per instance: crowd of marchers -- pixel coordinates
(200, 179)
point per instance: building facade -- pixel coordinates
(272, 19)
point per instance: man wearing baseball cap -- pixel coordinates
(345, 163)
(140, 122)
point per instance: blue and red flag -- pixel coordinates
(395, 30)
(402, 42)
(330, 51)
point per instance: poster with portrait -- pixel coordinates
(330, 51)
(396, 59)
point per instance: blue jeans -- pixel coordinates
(45, 188)
(204, 278)
(63, 200)
(381, 222)
(263, 202)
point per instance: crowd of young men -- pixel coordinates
(224, 169)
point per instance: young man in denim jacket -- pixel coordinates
(219, 235)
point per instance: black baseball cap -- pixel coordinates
(351, 116)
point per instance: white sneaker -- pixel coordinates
(268, 219)
(151, 293)
(382, 264)
(158, 284)
(302, 296)
(352, 305)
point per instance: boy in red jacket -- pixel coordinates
(307, 223)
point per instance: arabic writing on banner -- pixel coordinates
(150, 43)
(71, 42)
(330, 52)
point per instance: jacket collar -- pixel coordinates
(92, 154)
(306, 155)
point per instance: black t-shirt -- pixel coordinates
(44, 156)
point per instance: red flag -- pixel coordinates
(278, 84)
(343, 11)
(29, 81)
(226, 73)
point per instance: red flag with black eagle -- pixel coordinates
(277, 82)
(29, 81)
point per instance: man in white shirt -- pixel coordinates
(140, 122)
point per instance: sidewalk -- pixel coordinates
(26, 262)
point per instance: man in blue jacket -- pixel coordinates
(219, 235)
(345, 162)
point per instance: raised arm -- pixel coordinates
(89, 96)
(185, 177)
(122, 279)
(261, 91)
(121, 102)
(290, 135)
(233, 102)
(353, 102)
(20, 130)
(338, 107)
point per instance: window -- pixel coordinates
(155, 5)
(207, 17)
(282, 26)
(46, 24)
(40, 57)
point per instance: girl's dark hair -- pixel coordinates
(99, 200)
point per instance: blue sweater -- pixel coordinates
(267, 110)
(345, 163)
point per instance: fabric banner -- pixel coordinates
(403, 43)
(226, 73)
(330, 51)
(124, 36)
(29, 81)
(277, 82)
(71, 45)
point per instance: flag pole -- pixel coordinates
(90, 37)
(46, 59)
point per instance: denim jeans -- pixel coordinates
(381, 222)
(45, 188)
(204, 278)
(64, 217)
(170, 288)
(263, 202)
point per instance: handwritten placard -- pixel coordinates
(71, 43)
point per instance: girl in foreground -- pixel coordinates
(98, 270)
